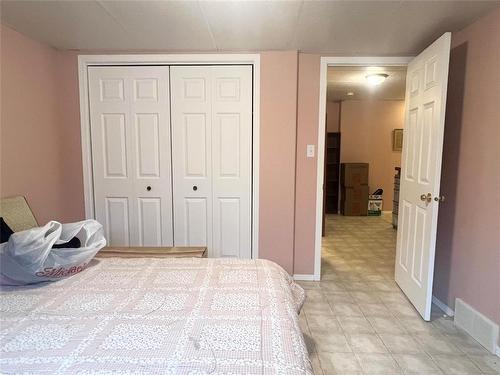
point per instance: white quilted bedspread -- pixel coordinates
(157, 316)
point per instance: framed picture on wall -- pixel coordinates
(397, 140)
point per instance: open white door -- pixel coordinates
(426, 85)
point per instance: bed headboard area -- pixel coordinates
(17, 213)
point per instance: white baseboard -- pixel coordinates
(448, 311)
(482, 329)
(300, 277)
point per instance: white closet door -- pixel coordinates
(191, 155)
(212, 158)
(130, 131)
(232, 160)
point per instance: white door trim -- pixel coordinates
(325, 63)
(84, 61)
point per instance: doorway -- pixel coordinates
(424, 116)
(344, 90)
(362, 172)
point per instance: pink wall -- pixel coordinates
(366, 128)
(305, 179)
(468, 242)
(278, 131)
(332, 117)
(69, 115)
(45, 140)
(33, 137)
(41, 155)
(41, 150)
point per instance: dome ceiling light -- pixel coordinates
(376, 78)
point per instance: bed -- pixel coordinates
(157, 316)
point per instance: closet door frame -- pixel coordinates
(85, 61)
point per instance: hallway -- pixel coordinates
(357, 320)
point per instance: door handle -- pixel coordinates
(426, 197)
(148, 188)
(439, 199)
(195, 187)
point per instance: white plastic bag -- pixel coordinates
(28, 256)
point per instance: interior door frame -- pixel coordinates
(86, 61)
(323, 81)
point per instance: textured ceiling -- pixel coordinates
(333, 27)
(342, 80)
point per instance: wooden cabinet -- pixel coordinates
(332, 173)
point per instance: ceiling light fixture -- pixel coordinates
(350, 93)
(376, 79)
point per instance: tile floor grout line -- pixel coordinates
(315, 350)
(357, 271)
(385, 345)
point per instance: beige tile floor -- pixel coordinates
(357, 321)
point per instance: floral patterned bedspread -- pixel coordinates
(157, 316)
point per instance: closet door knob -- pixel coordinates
(195, 187)
(148, 188)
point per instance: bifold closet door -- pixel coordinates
(130, 132)
(212, 158)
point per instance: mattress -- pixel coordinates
(157, 316)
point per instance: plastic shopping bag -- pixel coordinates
(29, 257)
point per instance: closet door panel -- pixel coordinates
(150, 221)
(232, 160)
(194, 139)
(212, 158)
(192, 155)
(130, 131)
(116, 221)
(228, 224)
(147, 128)
(114, 145)
(196, 218)
(150, 110)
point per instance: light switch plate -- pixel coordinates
(310, 151)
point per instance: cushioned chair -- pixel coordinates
(17, 213)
